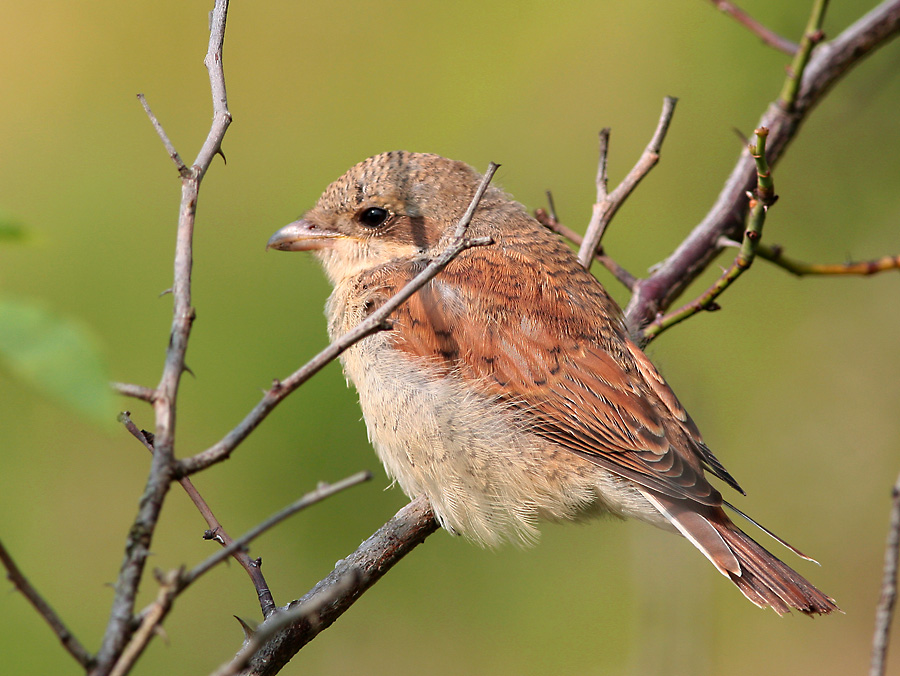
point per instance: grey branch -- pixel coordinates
(137, 547)
(350, 578)
(829, 62)
(885, 612)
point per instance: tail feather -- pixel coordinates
(761, 577)
(765, 578)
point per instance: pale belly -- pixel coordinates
(486, 476)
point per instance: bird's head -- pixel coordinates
(396, 205)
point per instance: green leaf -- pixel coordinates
(57, 355)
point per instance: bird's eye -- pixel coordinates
(373, 217)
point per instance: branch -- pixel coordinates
(162, 467)
(608, 203)
(136, 391)
(377, 321)
(764, 196)
(775, 254)
(216, 530)
(767, 35)
(885, 612)
(352, 577)
(173, 583)
(828, 63)
(68, 640)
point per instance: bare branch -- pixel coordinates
(377, 321)
(170, 148)
(767, 35)
(764, 196)
(216, 530)
(257, 638)
(775, 254)
(828, 63)
(608, 204)
(322, 492)
(354, 574)
(68, 640)
(136, 391)
(162, 466)
(885, 612)
(175, 582)
(150, 621)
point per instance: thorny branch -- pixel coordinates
(829, 62)
(216, 530)
(119, 629)
(175, 582)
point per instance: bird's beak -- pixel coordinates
(302, 236)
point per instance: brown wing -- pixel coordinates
(550, 344)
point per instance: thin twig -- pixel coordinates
(885, 611)
(764, 196)
(608, 203)
(321, 492)
(549, 221)
(151, 620)
(377, 321)
(828, 63)
(356, 573)
(68, 640)
(183, 169)
(136, 391)
(775, 254)
(216, 530)
(812, 36)
(175, 582)
(765, 34)
(162, 466)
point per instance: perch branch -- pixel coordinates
(354, 575)
(377, 321)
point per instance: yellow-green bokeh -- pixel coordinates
(796, 384)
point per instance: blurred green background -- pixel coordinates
(796, 384)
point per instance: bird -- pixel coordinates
(508, 390)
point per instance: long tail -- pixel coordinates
(761, 577)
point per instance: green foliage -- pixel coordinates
(57, 355)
